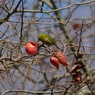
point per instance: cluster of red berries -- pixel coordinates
(56, 58)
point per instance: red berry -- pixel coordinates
(54, 61)
(61, 58)
(78, 77)
(31, 48)
(76, 26)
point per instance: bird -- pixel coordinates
(47, 40)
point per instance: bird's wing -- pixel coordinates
(47, 40)
(52, 40)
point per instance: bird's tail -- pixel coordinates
(57, 46)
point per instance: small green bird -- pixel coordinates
(47, 39)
